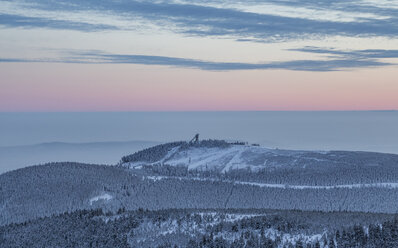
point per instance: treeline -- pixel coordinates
(203, 228)
(81, 228)
(321, 176)
(176, 193)
(209, 143)
(156, 153)
(152, 154)
(55, 188)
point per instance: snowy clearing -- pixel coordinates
(104, 196)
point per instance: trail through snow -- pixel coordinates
(282, 186)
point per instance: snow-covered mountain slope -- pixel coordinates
(216, 158)
(207, 179)
(223, 157)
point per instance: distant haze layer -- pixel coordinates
(333, 130)
(15, 157)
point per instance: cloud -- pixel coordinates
(357, 54)
(98, 57)
(37, 22)
(200, 20)
(11, 60)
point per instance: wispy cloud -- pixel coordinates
(358, 54)
(37, 22)
(213, 18)
(204, 20)
(344, 62)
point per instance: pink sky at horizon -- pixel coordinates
(27, 87)
(164, 55)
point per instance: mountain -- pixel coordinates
(209, 174)
(255, 163)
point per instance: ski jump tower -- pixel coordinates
(195, 139)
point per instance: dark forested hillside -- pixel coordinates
(203, 228)
(55, 188)
(151, 154)
(47, 189)
(79, 202)
(334, 181)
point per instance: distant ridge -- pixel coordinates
(92, 152)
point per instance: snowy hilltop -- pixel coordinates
(221, 156)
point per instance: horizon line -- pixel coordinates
(198, 111)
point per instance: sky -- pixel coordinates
(198, 55)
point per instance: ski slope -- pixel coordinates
(233, 157)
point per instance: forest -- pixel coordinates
(339, 199)
(44, 190)
(204, 228)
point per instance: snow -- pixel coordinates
(104, 196)
(202, 158)
(170, 154)
(222, 158)
(150, 230)
(139, 164)
(155, 178)
(281, 186)
(190, 227)
(228, 217)
(349, 186)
